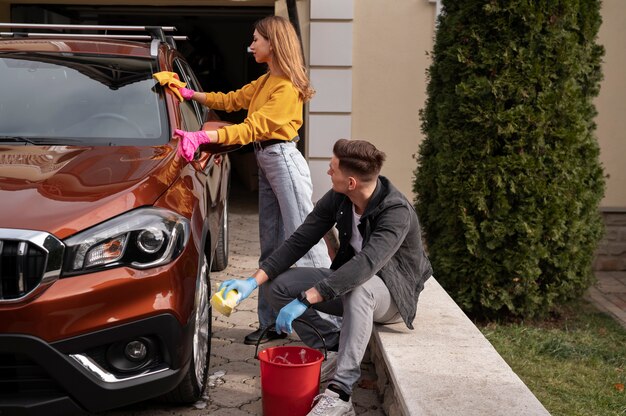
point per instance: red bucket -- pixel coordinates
(290, 378)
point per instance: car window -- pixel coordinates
(189, 109)
(81, 99)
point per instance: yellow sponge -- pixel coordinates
(225, 306)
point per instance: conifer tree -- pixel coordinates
(508, 181)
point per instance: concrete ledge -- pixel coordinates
(445, 366)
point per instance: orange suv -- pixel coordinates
(107, 235)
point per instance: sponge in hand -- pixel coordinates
(225, 306)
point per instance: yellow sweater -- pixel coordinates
(274, 110)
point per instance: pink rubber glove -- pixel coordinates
(186, 93)
(189, 142)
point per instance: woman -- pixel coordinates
(274, 102)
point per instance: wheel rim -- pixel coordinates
(201, 333)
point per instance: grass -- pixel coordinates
(574, 362)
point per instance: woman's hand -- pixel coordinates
(190, 141)
(186, 93)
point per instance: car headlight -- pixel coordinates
(146, 237)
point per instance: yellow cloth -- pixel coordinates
(274, 110)
(170, 79)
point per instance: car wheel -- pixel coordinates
(220, 257)
(192, 386)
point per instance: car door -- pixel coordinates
(211, 168)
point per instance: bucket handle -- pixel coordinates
(302, 321)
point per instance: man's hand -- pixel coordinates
(190, 141)
(186, 93)
(287, 314)
(244, 286)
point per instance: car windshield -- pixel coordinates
(80, 100)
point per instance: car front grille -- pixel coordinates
(21, 268)
(28, 261)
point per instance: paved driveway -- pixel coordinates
(238, 391)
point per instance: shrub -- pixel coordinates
(508, 181)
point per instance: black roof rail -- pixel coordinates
(153, 32)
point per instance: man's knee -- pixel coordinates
(286, 286)
(359, 294)
(277, 289)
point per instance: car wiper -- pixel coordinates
(17, 139)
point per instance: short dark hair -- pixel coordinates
(359, 157)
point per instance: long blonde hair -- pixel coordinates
(287, 53)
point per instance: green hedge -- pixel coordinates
(508, 180)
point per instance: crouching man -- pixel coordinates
(376, 276)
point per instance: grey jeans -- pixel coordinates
(360, 308)
(285, 192)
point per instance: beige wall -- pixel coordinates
(611, 103)
(389, 81)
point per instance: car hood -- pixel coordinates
(65, 189)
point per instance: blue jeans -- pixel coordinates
(285, 192)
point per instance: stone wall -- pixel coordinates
(611, 252)
(386, 390)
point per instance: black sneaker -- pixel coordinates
(271, 334)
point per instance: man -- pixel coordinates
(376, 276)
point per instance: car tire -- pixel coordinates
(220, 257)
(191, 387)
